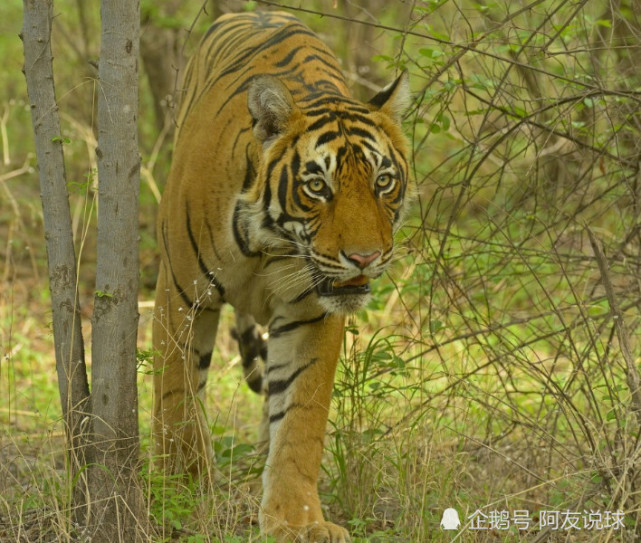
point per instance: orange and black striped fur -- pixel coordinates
(282, 200)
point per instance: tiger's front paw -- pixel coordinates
(323, 532)
(315, 532)
(300, 524)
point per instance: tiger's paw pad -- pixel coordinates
(322, 532)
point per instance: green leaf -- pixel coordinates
(430, 52)
(444, 120)
(436, 325)
(382, 58)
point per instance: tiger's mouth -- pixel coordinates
(355, 285)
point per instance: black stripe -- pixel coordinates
(323, 87)
(294, 189)
(313, 167)
(268, 223)
(250, 172)
(241, 237)
(212, 29)
(331, 100)
(281, 414)
(331, 68)
(243, 59)
(279, 386)
(340, 155)
(275, 259)
(320, 123)
(296, 196)
(283, 188)
(201, 264)
(295, 164)
(186, 299)
(285, 61)
(327, 137)
(204, 361)
(180, 290)
(212, 244)
(275, 367)
(290, 326)
(172, 392)
(369, 146)
(355, 131)
(277, 416)
(255, 382)
(267, 194)
(247, 336)
(302, 296)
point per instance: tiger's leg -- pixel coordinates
(253, 347)
(302, 359)
(183, 339)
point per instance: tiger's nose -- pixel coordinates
(362, 261)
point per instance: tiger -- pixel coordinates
(282, 200)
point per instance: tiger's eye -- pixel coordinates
(316, 185)
(384, 181)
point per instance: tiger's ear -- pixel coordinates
(271, 105)
(395, 98)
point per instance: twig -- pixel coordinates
(632, 375)
(6, 159)
(10, 175)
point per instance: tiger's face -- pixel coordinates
(333, 181)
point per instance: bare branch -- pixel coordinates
(632, 375)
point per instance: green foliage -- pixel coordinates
(230, 454)
(82, 187)
(171, 498)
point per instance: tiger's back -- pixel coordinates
(282, 200)
(238, 46)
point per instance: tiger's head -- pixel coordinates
(331, 183)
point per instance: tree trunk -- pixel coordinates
(113, 479)
(69, 348)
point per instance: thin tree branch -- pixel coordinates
(632, 375)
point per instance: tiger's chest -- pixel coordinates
(263, 284)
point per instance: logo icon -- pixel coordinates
(450, 520)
